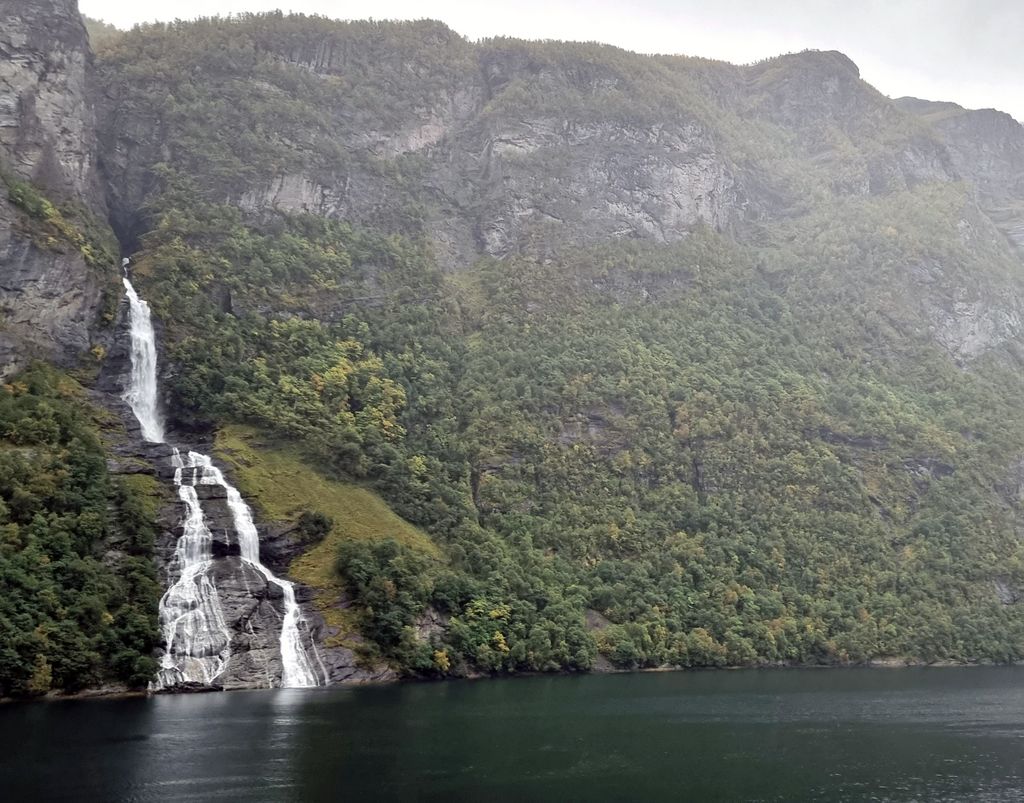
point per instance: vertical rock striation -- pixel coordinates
(49, 295)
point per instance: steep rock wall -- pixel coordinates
(49, 295)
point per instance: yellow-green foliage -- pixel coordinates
(736, 450)
(282, 486)
(148, 490)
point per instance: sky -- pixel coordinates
(967, 52)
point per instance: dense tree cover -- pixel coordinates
(768, 452)
(731, 462)
(304, 377)
(78, 587)
(392, 583)
(741, 479)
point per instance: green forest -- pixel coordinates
(729, 475)
(78, 586)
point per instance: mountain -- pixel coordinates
(528, 356)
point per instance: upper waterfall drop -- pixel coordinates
(141, 394)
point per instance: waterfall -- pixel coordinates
(296, 668)
(197, 639)
(141, 394)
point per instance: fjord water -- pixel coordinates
(914, 734)
(197, 641)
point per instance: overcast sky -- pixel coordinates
(970, 52)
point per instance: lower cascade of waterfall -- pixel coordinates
(197, 639)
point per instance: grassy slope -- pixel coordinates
(283, 486)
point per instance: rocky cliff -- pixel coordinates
(52, 214)
(501, 147)
(490, 149)
(511, 147)
(987, 148)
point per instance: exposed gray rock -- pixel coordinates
(49, 298)
(599, 179)
(280, 543)
(856, 441)
(429, 624)
(967, 329)
(596, 620)
(596, 427)
(295, 193)
(1007, 593)
(343, 666)
(253, 612)
(928, 467)
(47, 123)
(986, 146)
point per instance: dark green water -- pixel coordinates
(939, 734)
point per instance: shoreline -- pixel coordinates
(122, 692)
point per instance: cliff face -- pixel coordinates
(49, 295)
(47, 122)
(500, 148)
(510, 146)
(986, 146)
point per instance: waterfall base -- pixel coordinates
(227, 619)
(253, 609)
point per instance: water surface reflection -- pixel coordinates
(937, 734)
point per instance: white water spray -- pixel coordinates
(142, 390)
(296, 668)
(196, 636)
